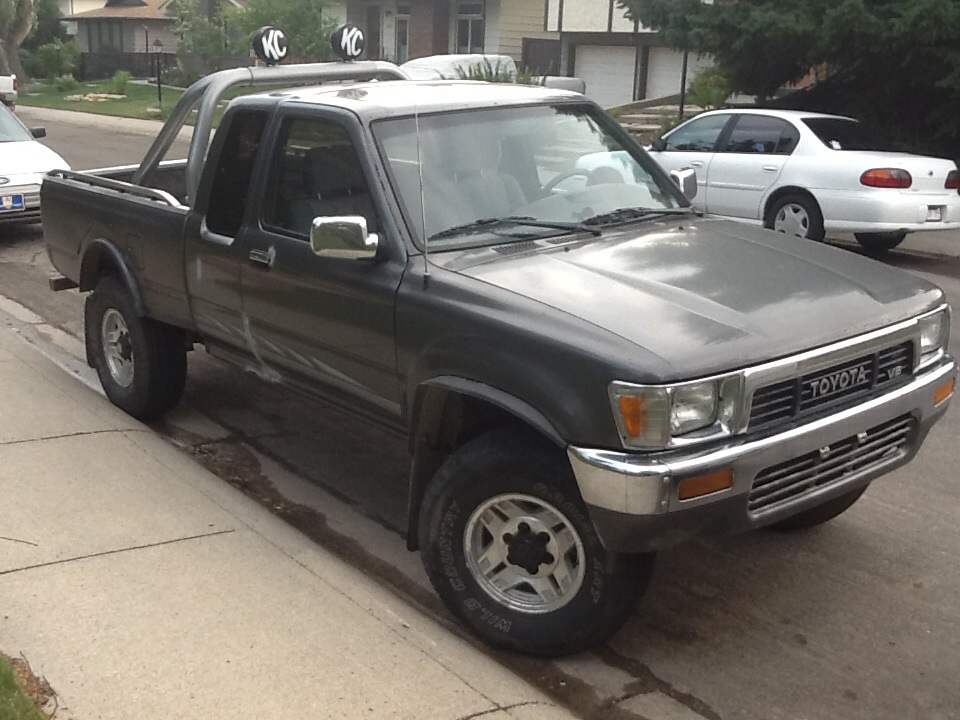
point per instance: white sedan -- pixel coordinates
(23, 163)
(806, 174)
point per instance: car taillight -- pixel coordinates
(953, 180)
(886, 178)
(16, 83)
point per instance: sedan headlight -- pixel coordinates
(657, 416)
(934, 334)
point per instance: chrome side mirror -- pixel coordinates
(343, 237)
(686, 180)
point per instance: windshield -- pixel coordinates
(844, 134)
(11, 129)
(555, 166)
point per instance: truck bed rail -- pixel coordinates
(119, 186)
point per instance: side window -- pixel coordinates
(789, 140)
(231, 180)
(755, 134)
(318, 174)
(699, 135)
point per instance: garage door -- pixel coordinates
(608, 73)
(666, 70)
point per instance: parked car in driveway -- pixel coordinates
(9, 90)
(807, 174)
(23, 163)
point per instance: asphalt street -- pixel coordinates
(857, 619)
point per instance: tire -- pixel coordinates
(797, 215)
(142, 364)
(879, 243)
(820, 514)
(523, 488)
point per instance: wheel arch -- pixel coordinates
(102, 257)
(782, 192)
(447, 412)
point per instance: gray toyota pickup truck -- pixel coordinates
(587, 370)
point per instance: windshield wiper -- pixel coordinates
(487, 223)
(635, 213)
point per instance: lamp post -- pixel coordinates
(158, 48)
(683, 71)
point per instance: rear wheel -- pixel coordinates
(142, 364)
(797, 215)
(509, 547)
(820, 514)
(879, 243)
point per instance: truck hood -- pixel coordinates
(706, 295)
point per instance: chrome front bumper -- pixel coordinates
(634, 501)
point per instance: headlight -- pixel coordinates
(934, 334)
(652, 417)
(693, 407)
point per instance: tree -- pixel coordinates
(882, 55)
(47, 28)
(16, 22)
(305, 23)
(200, 35)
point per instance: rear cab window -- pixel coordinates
(234, 172)
(846, 134)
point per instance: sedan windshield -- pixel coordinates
(11, 129)
(844, 134)
(490, 176)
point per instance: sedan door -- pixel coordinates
(748, 162)
(692, 145)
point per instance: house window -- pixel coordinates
(402, 42)
(470, 27)
(106, 36)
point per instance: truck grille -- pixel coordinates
(798, 396)
(791, 479)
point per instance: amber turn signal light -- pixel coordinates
(633, 410)
(943, 392)
(705, 484)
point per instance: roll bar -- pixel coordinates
(208, 91)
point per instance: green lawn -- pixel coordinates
(14, 704)
(138, 99)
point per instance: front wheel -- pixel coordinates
(879, 243)
(797, 215)
(508, 545)
(142, 364)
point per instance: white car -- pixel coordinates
(23, 163)
(807, 174)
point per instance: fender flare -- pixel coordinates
(425, 459)
(90, 271)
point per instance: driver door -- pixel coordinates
(693, 145)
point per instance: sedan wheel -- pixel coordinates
(796, 215)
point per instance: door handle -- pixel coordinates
(696, 163)
(261, 257)
(770, 168)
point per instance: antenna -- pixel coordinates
(423, 199)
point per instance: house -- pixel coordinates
(124, 35)
(399, 30)
(590, 39)
(619, 60)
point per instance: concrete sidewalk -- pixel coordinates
(142, 586)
